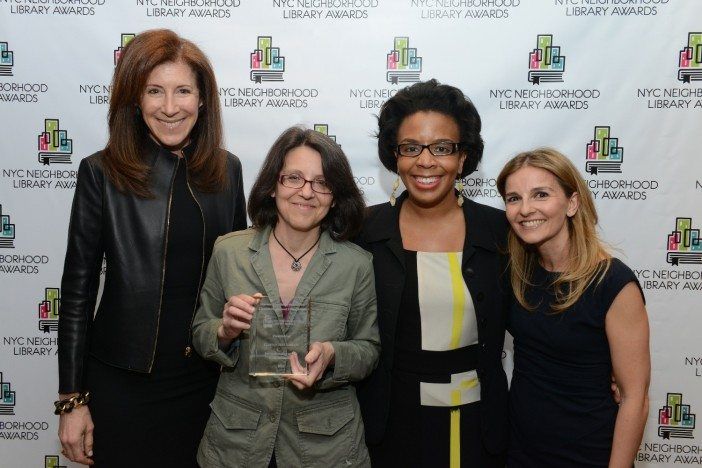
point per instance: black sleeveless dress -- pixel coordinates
(561, 409)
(157, 419)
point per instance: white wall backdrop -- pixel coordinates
(614, 84)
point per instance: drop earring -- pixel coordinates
(459, 187)
(395, 186)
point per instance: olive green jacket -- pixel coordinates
(253, 416)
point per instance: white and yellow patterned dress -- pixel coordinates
(434, 410)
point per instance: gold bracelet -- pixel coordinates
(67, 405)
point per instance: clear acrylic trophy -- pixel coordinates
(279, 338)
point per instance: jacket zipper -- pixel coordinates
(163, 269)
(188, 348)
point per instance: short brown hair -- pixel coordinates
(346, 214)
(123, 154)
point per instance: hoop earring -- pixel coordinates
(459, 187)
(395, 186)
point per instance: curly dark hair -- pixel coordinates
(346, 214)
(430, 96)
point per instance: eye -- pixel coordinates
(410, 148)
(293, 177)
(442, 148)
(184, 91)
(321, 182)
(511, 199)
(541, 194)
(152, 90)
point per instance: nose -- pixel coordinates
(170, 104)
(425, 158)
(525, 208)
(306, 190)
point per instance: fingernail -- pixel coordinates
(90, 453)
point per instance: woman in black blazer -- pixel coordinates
(439, 394)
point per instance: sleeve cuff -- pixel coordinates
(228, 357)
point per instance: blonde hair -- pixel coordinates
(588, 259)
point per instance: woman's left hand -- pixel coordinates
(320, 356)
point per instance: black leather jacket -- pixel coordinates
(130, 232)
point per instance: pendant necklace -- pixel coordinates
(296, 265)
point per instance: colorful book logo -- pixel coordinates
(323, 129)
(126, 39)
(546, 64)
(684, 244)
(49, 310)
(403, 64)
(266, 61)
(603, 153)
(7, 398)
(690, 62)
(7, 231)
(7, 59)
(674, 419)
(54, 145)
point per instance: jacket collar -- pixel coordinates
(385, 225)
(152, 150)
(260, 241)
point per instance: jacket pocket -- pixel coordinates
(330, 434)
(230, 430)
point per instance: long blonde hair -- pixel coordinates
(588, 259)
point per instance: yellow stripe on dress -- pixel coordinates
(459, 299)
(455, 439)
(446, 309)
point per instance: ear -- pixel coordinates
(573, 204)
(461, 162)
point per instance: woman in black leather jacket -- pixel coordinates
(151, 204)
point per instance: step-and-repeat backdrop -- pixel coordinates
(614, 84)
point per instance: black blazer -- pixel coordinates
(484, 272)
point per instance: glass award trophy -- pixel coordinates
(279, 338)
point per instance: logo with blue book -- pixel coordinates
(7, 59)
(54, 145)
(684, 244)
(403, 63)
(675, 420)
(7, 398)
(546, 63)
(603, 153)
(7, 231)
(266, 62)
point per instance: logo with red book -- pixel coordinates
(684, 244)
(675, 420)
(49, 310)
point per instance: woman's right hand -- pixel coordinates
(236, 316)
(76, 435)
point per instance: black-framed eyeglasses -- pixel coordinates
(442, 148)
(296, 181)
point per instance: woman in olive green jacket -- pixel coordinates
(304, 205)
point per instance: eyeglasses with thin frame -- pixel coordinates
(296, 181)
(441, 148)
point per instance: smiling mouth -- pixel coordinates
(532, 223)
(303, 207)
(173, 124)
(426, 180)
